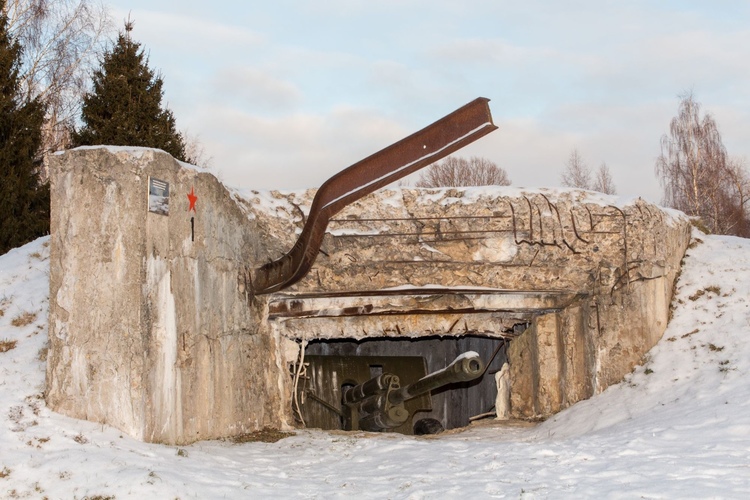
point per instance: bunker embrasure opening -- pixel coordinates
(405, 385)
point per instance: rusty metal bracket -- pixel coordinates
(448, 134)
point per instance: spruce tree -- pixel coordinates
(24, 202)
(124, 107)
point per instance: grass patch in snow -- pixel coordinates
(266, 435)
(709, 289)
(699, 225)
(41, 355)
(724, 366)
(37, 442)
(23, 319)
(4, 303)
(694, 243)
(690, 333)
(6, 345)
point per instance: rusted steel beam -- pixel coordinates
(450, 133)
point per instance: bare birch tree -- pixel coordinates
(195, 151)
(61, 39)
(457, 171)
(696, 173)
(738, 206)
(603, 180)
(576, 174)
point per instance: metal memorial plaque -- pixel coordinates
(158, 196)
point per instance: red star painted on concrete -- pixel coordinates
(191, 196)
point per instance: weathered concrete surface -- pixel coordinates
(502, 238)
(150, 329)
(410, 312)
(553, 364)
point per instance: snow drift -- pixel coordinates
(677, 427)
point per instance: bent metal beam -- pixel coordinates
(443, 137)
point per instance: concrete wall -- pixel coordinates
(506, 238)
(151, 328)
(570, 355)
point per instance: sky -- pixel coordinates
(678, 426)
(284, 94)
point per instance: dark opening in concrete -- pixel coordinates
(452, 406)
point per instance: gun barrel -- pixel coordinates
(466, 367)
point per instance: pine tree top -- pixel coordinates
(124, 107)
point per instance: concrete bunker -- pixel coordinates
(154, 328)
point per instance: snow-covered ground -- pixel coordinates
(677, 427)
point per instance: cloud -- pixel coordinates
(255, 89)
(675, 62)
(299, 150)
(481, 51)
(189, 34)
(734, 125)
(293, 151)
(533, 150)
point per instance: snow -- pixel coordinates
(295, 205)
(677, 427)
(138, 152)
(496, 250)
(471, 195)
(292, 205)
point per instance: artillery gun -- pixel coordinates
(378, 404)
(381, 403)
